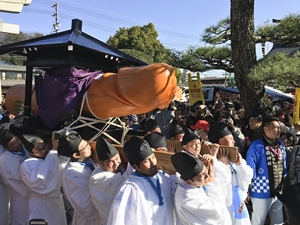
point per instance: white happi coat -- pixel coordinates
(195, 205)
(5, 195)
(11, 175)
(43, 177)
(137, 202)
(75, 181)
(103, 188)
(242, 177)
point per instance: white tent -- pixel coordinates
(278, 94)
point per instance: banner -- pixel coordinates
(195, 89)
(208, 94)
(227, 93)
(296, 106)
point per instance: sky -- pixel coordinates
(179, 23)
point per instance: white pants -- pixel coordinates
(263, 206)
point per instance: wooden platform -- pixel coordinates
(163, 158)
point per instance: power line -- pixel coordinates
(95, 25)
(117, 20)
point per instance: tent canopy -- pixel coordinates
(280, 95)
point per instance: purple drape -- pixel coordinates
(59, 92)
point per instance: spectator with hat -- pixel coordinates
(147, 196)
(75, 178)
(239, 172)
(10, 160)
(41, 173)
(133, 122)
(107, 178)
(201, 128)
(198, 200)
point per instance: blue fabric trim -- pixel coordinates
(156, 188)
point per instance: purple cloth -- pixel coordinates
(59, 92)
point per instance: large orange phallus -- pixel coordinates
(132, 90)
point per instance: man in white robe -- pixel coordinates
(75, 179)
(107, 178)
(146, 198)
(10, 160)
(239, 172)
(5, 195)
(41, 173)
(197, 199)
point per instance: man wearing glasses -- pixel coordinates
(75, 178)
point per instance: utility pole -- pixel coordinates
(264, 45)
(56, 24)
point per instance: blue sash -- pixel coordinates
(156, 188)
(88, 164)
(22, 153)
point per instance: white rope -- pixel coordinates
(90, 122)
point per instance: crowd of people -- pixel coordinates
(65, 182)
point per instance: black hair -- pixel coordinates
(193, 109)
(290, 137)
(268, 120)
(199, 102)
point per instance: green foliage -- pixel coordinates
(214, 57)
(285, 32)
(273, 70)
(142, 39)
(6, 38)
(203, 58)
(278, 70)
(217, 34)
(139, 55)
(185, 61)
(179, 75)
